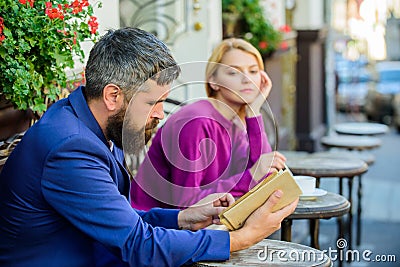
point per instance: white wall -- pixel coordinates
(308, 15)
(197, 45)
(186, 43)
(107, 15)
(274, 12)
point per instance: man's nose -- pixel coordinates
(158, 111)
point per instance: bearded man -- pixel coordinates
(64, 191)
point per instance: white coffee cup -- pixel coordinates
(306, 183)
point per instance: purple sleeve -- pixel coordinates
(258, 142)
(257, 138)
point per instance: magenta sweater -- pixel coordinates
(195, 153)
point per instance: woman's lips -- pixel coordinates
(247, 91)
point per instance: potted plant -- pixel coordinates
(39, 41)
(251, 25)
(232, 11)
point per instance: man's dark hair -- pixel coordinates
(127, 57)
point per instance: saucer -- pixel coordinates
(317, 193)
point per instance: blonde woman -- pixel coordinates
(213, 145)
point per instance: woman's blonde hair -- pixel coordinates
(217, 54)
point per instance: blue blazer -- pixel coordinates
(64, 202)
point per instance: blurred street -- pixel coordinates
(380, 203)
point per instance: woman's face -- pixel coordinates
(238, 79)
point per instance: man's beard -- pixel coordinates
(114, 127)
(149, 130)
(134, 140)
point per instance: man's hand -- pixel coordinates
(204, 212)
(267, 163)
(261, 223)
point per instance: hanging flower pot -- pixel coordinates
(230, 23)
(39, 41)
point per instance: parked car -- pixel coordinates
(352, 96)
(379, 101)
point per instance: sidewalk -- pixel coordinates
(380, 203)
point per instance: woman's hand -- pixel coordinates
(253, 109)
(267, 163)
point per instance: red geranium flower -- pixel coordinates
(30, 2)
(94, 25)
(263, 45)
(2, 37)
(285, 28)
(284, 45)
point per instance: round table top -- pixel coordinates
(321, 207)
(363, 155)
(351, 141)
(275, 253)
(361, 128)
(326, 166)
(293, 154)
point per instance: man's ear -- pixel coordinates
(112, 97)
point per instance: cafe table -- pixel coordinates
(369, 159)
(361, 128)
(271, 252)
(331, 167)
(351, 142)
(325, 206)
(365, 156)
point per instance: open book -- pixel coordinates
(235, 216)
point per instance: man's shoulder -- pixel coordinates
(61, 125)
(60, 121)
